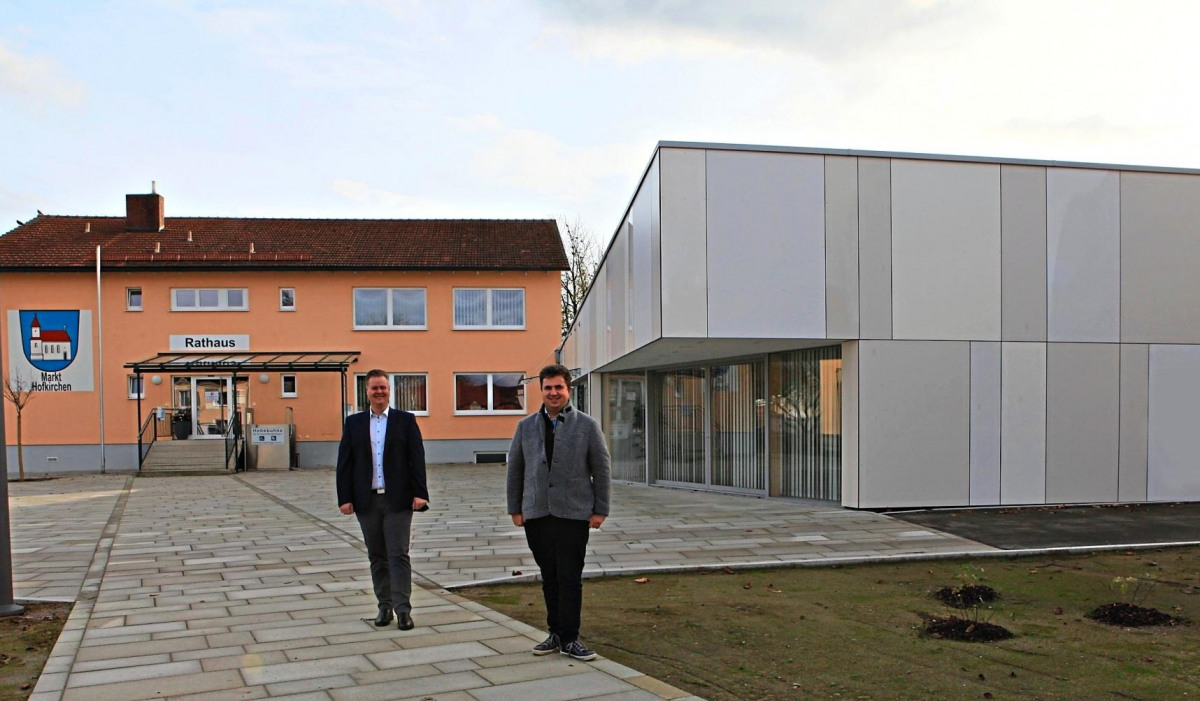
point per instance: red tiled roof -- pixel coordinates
(55, 335)
(66, 242)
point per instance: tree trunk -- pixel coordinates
(20, 451)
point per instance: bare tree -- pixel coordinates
(18, 391)
(583, 257)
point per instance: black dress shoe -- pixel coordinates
(384, 618)
(405, 621)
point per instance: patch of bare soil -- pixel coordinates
(967, 596)
(1131, 616)
(963, 630)
(25, 642)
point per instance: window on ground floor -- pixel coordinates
(489, 393)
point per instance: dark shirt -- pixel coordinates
(549, 425)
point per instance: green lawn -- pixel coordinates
(856, 632)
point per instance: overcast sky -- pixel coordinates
(540, 109)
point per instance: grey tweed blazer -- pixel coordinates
(576, 486)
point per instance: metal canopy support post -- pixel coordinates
(8, 607)
(342, 401)
(139, 390)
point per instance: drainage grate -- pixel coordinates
(491, 457)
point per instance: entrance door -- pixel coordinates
(212, 405)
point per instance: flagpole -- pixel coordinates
(100, 353)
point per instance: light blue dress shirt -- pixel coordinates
(378, 431)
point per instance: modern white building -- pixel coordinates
(899, 330)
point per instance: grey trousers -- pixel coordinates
(386, 532)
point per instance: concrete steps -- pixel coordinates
(185, 457)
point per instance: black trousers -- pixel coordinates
(386, 532)
(558, 546)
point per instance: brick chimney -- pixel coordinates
(144, 212)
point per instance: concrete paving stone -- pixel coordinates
(302, 686)
(451, 696)
(243, 661)
(451, 666)
(243, 694)
(325, 650)
(229, 639)
(118, 662)
(309, 669)
(274, 645)
(634, 695)
(156, 688)
(588, 683)
(436, 683)
(91, 640)
(545, 667)
(659, 688)
(478, 634)
(126, 674)
(511, 644)
(395, 674)
(429, 654)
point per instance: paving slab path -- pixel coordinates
(255, 586)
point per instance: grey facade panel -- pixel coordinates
(1135, 410)
(1160, 258)
(1023, 253)
(683, 243)
(914, 422)
(1173, 467)
(1023, 423)
(985, 423)
(875, 248)
(639, 300)
(655, 186)
(616, 284)
(841, 247)
(850, 423)
(945, 251)
(1082, 422)
(766, 244)
(1083, 256)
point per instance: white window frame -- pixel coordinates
(282, 306)
(488, 326)
(389, 326)
(283, 386)
(129, 306)
(392, 383)
(490, 397)
(222, 299)
(130, 382)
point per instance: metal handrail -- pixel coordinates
(233, 439)
(144, 446)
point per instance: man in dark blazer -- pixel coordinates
(381, 479)
(559, 479)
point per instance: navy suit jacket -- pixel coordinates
(403, 461)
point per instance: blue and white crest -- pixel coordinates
(50, 338)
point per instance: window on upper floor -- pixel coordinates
(410, 392)
(133, 299)
(489, 393)
(209, 299)
(389, 308)
(501, 308)
(287, 299)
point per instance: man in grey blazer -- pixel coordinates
(558, 486)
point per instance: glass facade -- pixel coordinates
(680, 425)
(771, 425)
(625, 425)
(806, 423)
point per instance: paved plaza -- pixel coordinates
(255, 586)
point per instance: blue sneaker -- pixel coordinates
(578, 650)
(547, 646)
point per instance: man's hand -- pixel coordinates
(346, 509)
(518, 520)
(418, 503)
(596, 520)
